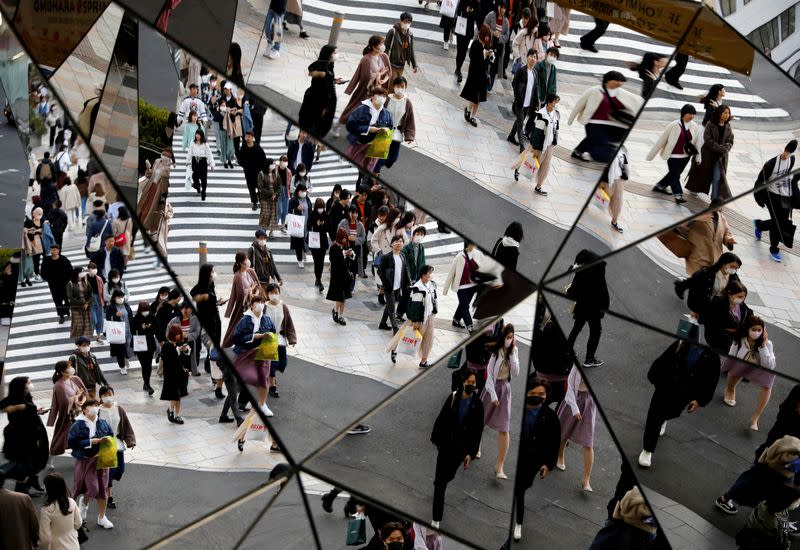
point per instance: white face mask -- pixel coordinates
(301, 174)
(738, 300)
(301, 194)
(320, 210)
(730, 271)
(258, 308)
(335, 56)
(378, 101)
(70, 371)
(247, 262)
(92, 272)
(107, 400)
(119, 300)
(405, 26)
(613, 93)
(163, 298)
(756, 334)
(84, 349)
(262, 242)
(382, 48)
(145, 314)
(82, 275)
(400, 92)
(551, 60)
(509, 341)
(115, 280)
(91, 412)
(283, 164)
(417, 240)
(213, 275)
(29, 387)
(274, 298)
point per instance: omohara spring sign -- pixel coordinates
(710, 38)
(51, 29)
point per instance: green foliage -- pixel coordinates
(152, 121)
(6, 253)
(37, 125)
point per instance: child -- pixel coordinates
(117, 418)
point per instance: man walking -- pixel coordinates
(57, 270)
(109, 257)
(393, 272)
(780, 196)
(525, 99)
(400, 48)
(192, 103)
(588, 39)
(251, 157)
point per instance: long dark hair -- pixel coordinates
(533, 22)
(744, 329)
(235, 71)
(57, 491)
(717, 114)
(646, 64)
(326, 52)
(712, 94)
(239, 260)
(204, 277)
(500, 340)
(374, 41)
(60, 367)
(16, 391)
(726, 258)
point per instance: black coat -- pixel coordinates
(701, 288)
(306, 155)
(519, 84)
(720, 325)
(336, 214)
(672, 375)
(208, 311)
(146, 326)
(58, 222)
(321, 229)
(252, 160)
(117, 259)
(57, 273)
(462, 439)
(176, 373)
(319, 101)
(298, 243)
(589, 288)
(506, 256)
(477, 81)
(339, 289)
(539, 447)
(25, 437)
(164, 315)
(386, 272)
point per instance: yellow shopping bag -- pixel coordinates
(379, 147)
(107, 455)
(268, 348)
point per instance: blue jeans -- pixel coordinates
(98, 319)
(673, 177)
(283, 206)
(715, 182)
(272, 23)
(83, 207)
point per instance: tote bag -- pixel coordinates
(448, 8)
(256, 430)
(140, 343)
(314, 239)
(410, 342)
(297, 225)
(115, 330)
(379, 147)
(529, 167)
(97, 241)
(600, 198)
(461, 25)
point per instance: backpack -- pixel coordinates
(46, 171)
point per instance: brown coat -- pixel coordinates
(60, 406)
(236, 305)
(363, 79)
(717, 143)
(20, 522)
(151, 191)
(707, 243)
(287, 327)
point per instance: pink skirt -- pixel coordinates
(252, 371)
(743, 369)
(498, 417)
(580, 432)
(88, 480)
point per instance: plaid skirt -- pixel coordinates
(81, 320)
(268, 218)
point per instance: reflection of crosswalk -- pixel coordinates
(616, 46)
(226, 222)
(36, 341)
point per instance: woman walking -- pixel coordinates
(60, 518)
(24, 437)
(712, 100)
(300, 205)
(356, 235)
(755, 361)
(342, 280)
(363, 125)
(89, 481)
(590, 293)
(725, 316)
(318, 224)
(113, 413)
(649, 70)
(576, 414)
(175, 356)
(69, 393)
(200, 159)
(710, 176)
(269, 188)
(372, 71)
(559, 23)
(254, 326)
(319, 100)
(461, 278)
(496, 395)
(245, 283)
(506, 249)
(481, 58)
(207, 304)
(119, 311)
(123, 233)
(422, 309)
(144, 325)
(707, 283)
(79, 294)
(470, 11)
(87, 367)
(33, 231)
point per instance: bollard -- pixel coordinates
(336, 26)
(203, 251)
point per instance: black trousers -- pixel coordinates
(595, 329)
(200, 174)
(675, 167)
(676, 72)
(319, 262)
(389, 311)
(252, 187)
(779, 209)
(146, 361)
(519, 125)
(447, 464)
(664, 405)
(36, 259)
(520, 488)
(599, 30)
(462, 45)
(405, 298)
(232, 388)
(59, 294)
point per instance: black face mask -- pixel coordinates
(468, 389)
(534, 400)
(394, 546)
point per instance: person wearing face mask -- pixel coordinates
(607, 112)
(405, 225)
(116, 417)
(113, 283)
(204, 294)
(589, 290)
(144, 323)
(262, 260)
(300, 205)
(725, 315)
(475, 89)
(118, 310)
(500, 29)
(391, 534)
(402, 112)
(457, 436)
(109, 257)
(356, 235)
(176, 359)
(191, 328)
(363, 125)
(69, 392)
(318, 221)
(400, 48)
(708, 282)
(393, 273)
(57, 270)
(422, 310)
(166, 312)
(24, 437)
(279, 313)
(541, 131)
(414, 254)
(301, 177)
(678, 144)
(284, 178)
(496, 396)
(251, 158)
(543, 41)
(89, 482)
(755, 361)
(460, 279)
(780, 196)
(319, 100)
(373, 70)
(685, 377)
(32, 241)
(710, 176)
(524, 38)
(231, 110)
(154, 188)
(245, 282)
(269, 188)
(300, 151)
(540, 439)
(80, 296)
(342, 280)
(338, 211)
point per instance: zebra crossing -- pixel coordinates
(37, 341)
(617, 46)
(226, 222)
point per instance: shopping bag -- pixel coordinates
(677, 243)
(296, 225)
(379, 147)
(357, 530)
(688, 329)
(140, 343)
(256, 430)
(410, 342)
(448, 8)
(268, 348)
(461, 25)
(550, 10)
(529, 167)
(600, 198)
(115, 332)
(313, 239)
(107, 455)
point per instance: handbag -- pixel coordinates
(530, 166)
(620, 115)
(410, 342)
(97, 241)
(107, 455)
(115, 330)
(376, 262)
(448, 8)
(296, 225)
(256, 431)
(461, 25)
(83, 533)
(688, 329)
(139, 343)
(314, 240)
(677, 243)
(454, 361)
(121, 239)
(356, 530)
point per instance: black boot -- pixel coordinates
(218, 393)
(33, 482)
(21, 488)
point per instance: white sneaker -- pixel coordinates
(267, 51)
(586, 156)
(446, 46)
(435, 524)
(84, 508)
(103, 522)
(517, 531)
(645, 459)
(300, 264)
(274, 54)
(267, 411)
(37, 279)
(663, 428)
(123, 371)
(284, 231)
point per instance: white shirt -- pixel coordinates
(549, 132)
(299, 158)
(779, 184)
(529, 87)
(373, 114)
(92, 426)
(398, 271)
(107, 264)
